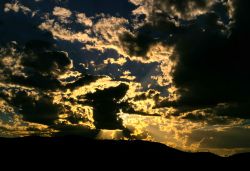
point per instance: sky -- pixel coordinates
(168, 71)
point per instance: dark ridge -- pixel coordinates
(60, 148)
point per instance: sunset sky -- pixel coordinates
(170, 71)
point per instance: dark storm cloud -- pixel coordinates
(149, 34)
(189, 9)
(240, 11)
(136, 45)
(53, 62)
(213, 66)
(212, 56)
(40, 66)
(168, 29)
(106, 106)
(39, 109)
(239, 109)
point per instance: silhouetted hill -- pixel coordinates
(61, 147)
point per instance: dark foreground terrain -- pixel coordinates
(82, 150)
